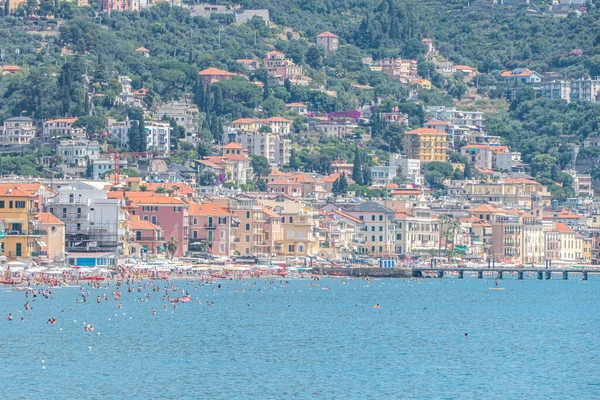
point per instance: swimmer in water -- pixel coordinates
(9, 317)
(153, 312)
(377, 306)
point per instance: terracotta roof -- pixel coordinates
(142, 50)
(348, 216)
(464, 67)
(67, 120)
(358, 86)
(500, 149)
(563, 214)
(233, 145)
(270, 212)
(141, 92)
(11, 68)
(284, 181)
(182, 188)
(426, 131)
(518, 72)
(209, 164)
(563, 228)
(476, 146)
(290, 105)
(520, 181)
(278, 119)
(303, 177)
(400, 214)
(210, 209)
(236, 157)
(406, 191)
(32, 188)
(245, 61)
(15, 192)
(275, 53)
(485, 208)
(48, 218)
(214, 71)
(436, 122)
(141, 224)
(145, 198)
(243, 121)
(133, 179)
(326, 34)
(425, 40)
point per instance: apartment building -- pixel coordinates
(17, 131)
(425, 144)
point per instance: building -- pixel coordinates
(280, 68)
(185, 115)
(417, 232)
(520, 75)
(18, 131)
(398, 68)
(585, 89)
(378, 235)
(158, 137)
(242, 16)
(428, 44)
(482, 155)
(518, 192)
(100, 166)
(248, 64)
(211, 229)
(122, 5)
(93, 221)
(61, 128)
(408, 168)
(335, 128)
(78, 153)
(23, 231)
(170, 213)
(556, 90)
(301, 108)
(53, 236)
(237, 155)
(425, 144)
(329, 41)
(457, 117)
(298, 224)
(143, 51)
(214, 75)
(144, 238)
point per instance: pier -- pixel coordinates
(499, 272)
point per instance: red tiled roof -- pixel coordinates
(48, 218)
(214, 71)
(327, 34)
(426, 131)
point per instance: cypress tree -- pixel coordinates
(357, 175)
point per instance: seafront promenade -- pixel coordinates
(459, 273)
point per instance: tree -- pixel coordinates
(442, 219)
(143, 188)
(343, 184)
(208, 178)
(172, 246)
(260, 166)
(467, 171)
(357, 173)
(294, 163)
(314, 57)
(160, 190)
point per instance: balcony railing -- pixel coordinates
(31, 232)
(210, 226)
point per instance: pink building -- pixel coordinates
(211, 224)
(170, 213)
(145, 237)
(278, 66)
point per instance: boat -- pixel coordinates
(11, 281)
(496, 288)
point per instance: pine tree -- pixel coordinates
(335, 188)
(467, 172)
(133, 136)
(357, 174)
(143, 144)
(218, 100)
(343, 187)
(294, 163)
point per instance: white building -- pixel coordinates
(409, 168)
(274, 147)
(17, 131)
(61, 128)
(457, 117)
(185, 115)
(101, 166)
(556, 90)
(93, 222)
(158, 136)
(585, 89)
(383, 174)
(77, 153)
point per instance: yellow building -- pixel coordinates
(18, 209)
(426, 144)
(299, 237)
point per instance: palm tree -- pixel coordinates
(453, 228)
(442, 219)
(172, 246)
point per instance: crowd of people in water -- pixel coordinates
(173, 289)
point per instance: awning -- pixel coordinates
(40, 243)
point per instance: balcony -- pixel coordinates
(31, 232)
(210, 226)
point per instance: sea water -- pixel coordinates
(533, 340)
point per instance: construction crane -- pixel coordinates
(116, 155)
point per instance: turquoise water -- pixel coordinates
(534, 340)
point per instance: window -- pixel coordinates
(176, 209)
(361, 218)
(195, 221)
(247, 227)
(222, 248)
(154, 219)
(300, 248)
(291, 220)
(145, 218)
(381, 238)
(195, 234)
(247, 214)
(372, 229)
(222, 220)
(222, 235)
(291, 248)
(372, 217)
(247, 238)
(372, 248)
(78, 227)
(138, 235)
(381, 229)
(372, 238)
(10, 204)
(2, 204)
(381, 217)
